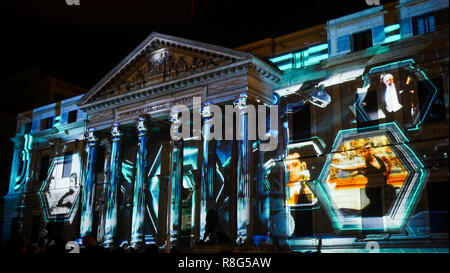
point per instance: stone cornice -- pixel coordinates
(169, 87)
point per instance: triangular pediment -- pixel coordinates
(161, 59)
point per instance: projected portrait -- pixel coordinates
(298, 174)
(365, 175)
(397, 92)
(300, 167)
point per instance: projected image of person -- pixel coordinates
(299, 193)
(376, 169)
(390, 96)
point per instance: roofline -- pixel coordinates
(226, 52)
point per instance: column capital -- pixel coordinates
(242, 101)
(206, 111)
(142, 125)
(115, 132)
(91, 136)
(174, 116)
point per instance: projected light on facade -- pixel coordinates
(301, 166)
(371, 180)
(59, 193)
(398, 90)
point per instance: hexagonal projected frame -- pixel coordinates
(408, 195)
(68, 188)
(410, 65)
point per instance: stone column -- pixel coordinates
(208, 169)
(137, 226)
(111, 201)
(87, 211)
(243, 171)
(176, 180)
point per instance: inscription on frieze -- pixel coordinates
(155, 107)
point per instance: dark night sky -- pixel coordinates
(84, 42)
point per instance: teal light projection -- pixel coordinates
(190, 155)
(24, 176)
(87, 212)
(176, 184)
(392, 33)
(207, 183)
(243, 176)
(112, 198)
(311, 56)
(137, 228)
(406, 196)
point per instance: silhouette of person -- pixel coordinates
(377, 170)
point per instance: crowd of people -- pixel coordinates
(49, 243)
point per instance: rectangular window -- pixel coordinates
(67, 168)
(423, 24)
(46, 123)
(45, 160)
(361, 40)
(27, 128)
(72, 116)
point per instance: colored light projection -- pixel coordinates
(360, 165)
(25, 161)
(153, 198)
(59, 194)
(371, 180)
(397, 91)
(300, 166)
(188, 190)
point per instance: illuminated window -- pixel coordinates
(67, 168)
(423, 24)
(361, 40)
(46, 123)
(72, 116)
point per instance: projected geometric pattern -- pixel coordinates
(409, 187)
(59, 195)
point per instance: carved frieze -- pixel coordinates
(159, 66)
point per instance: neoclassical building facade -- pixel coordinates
(361, 134)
